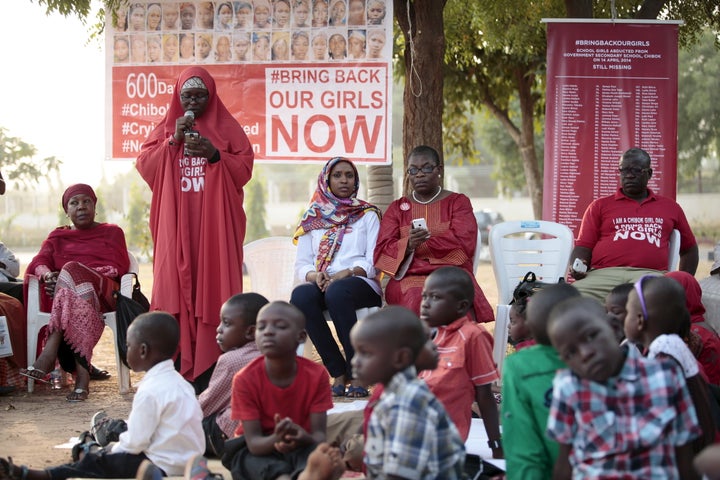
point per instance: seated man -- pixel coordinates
(626, 235)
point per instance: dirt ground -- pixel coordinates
(31, 425)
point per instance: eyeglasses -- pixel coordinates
(634, 171)
(193, 98)
(425, 169)
(638, 289)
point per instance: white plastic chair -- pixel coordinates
(270, 263)
(519, 247)
(674, 248)
(37, 319)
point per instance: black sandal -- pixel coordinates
(97, 374)
(7, 468)
(85, 445)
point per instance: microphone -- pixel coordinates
(191, 115)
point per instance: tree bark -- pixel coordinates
(578, 8)
(380, 186)
(526, 144)
(650, 9)
(422, 25)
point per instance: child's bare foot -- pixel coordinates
(324, 463)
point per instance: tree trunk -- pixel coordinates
(526, 144)
(380, 186)
(579, 8)
(421, 22)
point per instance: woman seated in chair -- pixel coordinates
(336, 238)
(410, 253)
(80, 266)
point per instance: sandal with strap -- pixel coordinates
(35, 374)
(356, 391)
(97, 374)
(7, 470)
(85, 445)
(78, 395)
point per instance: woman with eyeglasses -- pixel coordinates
(196, 162)
(428, 229)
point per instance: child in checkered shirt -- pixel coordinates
(615, 413)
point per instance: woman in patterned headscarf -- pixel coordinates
(336, 239)
(197, 219)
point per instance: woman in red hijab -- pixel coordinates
(80, 266)
(197, 219)
(709, 354)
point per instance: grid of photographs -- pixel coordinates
(251, 31)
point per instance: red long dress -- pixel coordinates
(197, 222)
(453, 237)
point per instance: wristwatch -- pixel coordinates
(495, 444)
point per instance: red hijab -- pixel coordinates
(693, 294)
(216, 123)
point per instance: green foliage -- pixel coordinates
(20, 166)
(137, 231)
(698, 107)
(492, 45)
(255, 209)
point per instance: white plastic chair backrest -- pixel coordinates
(674, 250)
(518, 247)
(270, 263)
(478, 250)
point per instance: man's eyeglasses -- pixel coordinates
(425, 169)
(197, 98)
(635, 171)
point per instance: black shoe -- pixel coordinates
(7, 390)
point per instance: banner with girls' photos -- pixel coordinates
(307, 79)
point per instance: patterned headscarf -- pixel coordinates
(194, 82)
(331, 213)
(77, 189)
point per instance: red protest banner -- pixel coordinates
(303, 89)
(611, 86)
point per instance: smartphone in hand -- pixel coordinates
(419, 223)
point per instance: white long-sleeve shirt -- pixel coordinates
(356, 250)
(165, 420)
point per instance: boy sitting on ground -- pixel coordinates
(236, 338)
(615, 413)
(164, 425)
(466, 369)
(527, 390)
(410, 434)
(280, 399)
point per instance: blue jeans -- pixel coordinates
(341, 299)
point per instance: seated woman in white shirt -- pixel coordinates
(336, 239)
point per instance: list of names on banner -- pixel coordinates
(609, 89)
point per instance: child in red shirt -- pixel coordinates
(466, 369)
(280, 399)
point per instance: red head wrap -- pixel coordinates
(77, 189)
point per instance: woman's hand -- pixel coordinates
(50, 279)
(200, 147)
(417, 237)
(182, 125)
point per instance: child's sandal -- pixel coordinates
(7, 470)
